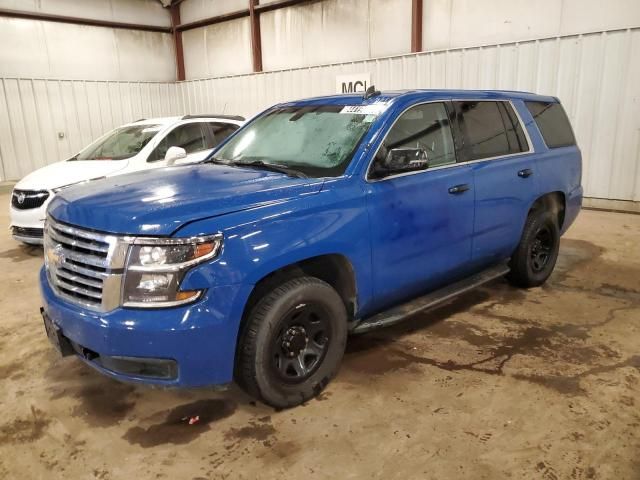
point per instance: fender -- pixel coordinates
(258, 242)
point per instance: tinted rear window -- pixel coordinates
(553, 123)
(490, 129)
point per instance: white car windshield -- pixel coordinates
(120, 144)
(316, 141)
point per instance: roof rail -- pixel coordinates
(139, 120)
(213, 115)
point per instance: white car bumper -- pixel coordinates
(27, 225)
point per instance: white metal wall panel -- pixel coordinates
(597, 77)
(40, 49)
(33, 112)
(149, 12)
(344, 30)
(320, 32)
(219, 49)
(192, 10)
(468, 23)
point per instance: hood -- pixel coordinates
(160, 201)
(69, 172)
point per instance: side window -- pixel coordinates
(553, 123)
(425, 127)
(515, 133)
(190, 136)
(220, 131)
(490, 129)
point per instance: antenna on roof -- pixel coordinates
(371, 92)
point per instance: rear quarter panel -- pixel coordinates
(557, 169)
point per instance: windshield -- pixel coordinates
(317, 141)
(122, 143)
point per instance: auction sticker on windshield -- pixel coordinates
(372, 109)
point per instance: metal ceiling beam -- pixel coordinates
(48, 17)
(257, 8)
(278, 4)
(416, 26)
(204, 22)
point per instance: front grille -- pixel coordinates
(84, 266)
(27, 232)
(27, 199)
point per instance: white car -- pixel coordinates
(141, 145)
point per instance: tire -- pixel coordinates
(292, 343)
(533, 261)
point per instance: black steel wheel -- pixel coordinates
(302, 342)
(533, 261)
(541, 248)
(292, 342)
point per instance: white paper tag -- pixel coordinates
(371, 109)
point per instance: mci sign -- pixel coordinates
(355, 82)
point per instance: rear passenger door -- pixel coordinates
(421, 221)
(496, 146)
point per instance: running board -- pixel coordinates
(430, 300)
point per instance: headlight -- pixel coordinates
(156, 266)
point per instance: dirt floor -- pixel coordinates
(501, 383)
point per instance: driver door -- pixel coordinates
(421, 221)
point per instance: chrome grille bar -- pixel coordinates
(76, 242)
(84, 279)
(82, 291)
(84, 258)
(85, 271)
(83, 266)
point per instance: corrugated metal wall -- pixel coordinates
(44, 49)
(43, 121)
(596, 75)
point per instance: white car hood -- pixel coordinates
(69, 172)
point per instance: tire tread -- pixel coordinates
(245, 369)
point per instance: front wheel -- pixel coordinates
(292, 343)
(534, 259)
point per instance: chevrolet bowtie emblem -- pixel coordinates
(55, 256)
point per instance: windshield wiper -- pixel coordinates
(292, 172)
(219, 161)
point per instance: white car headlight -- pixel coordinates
(156, 266)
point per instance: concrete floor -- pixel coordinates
(501, 383)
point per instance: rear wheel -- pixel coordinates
(534, 259)
(292, 343)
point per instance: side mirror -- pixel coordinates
(400, 160)
(174, 154)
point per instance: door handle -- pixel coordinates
(527, 172)
(457, 189)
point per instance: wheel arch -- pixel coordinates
(554, 202)
(333, 268)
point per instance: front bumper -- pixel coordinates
(200, 338)
(27, 225)
(32, 236)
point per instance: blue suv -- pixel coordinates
(319, 218)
